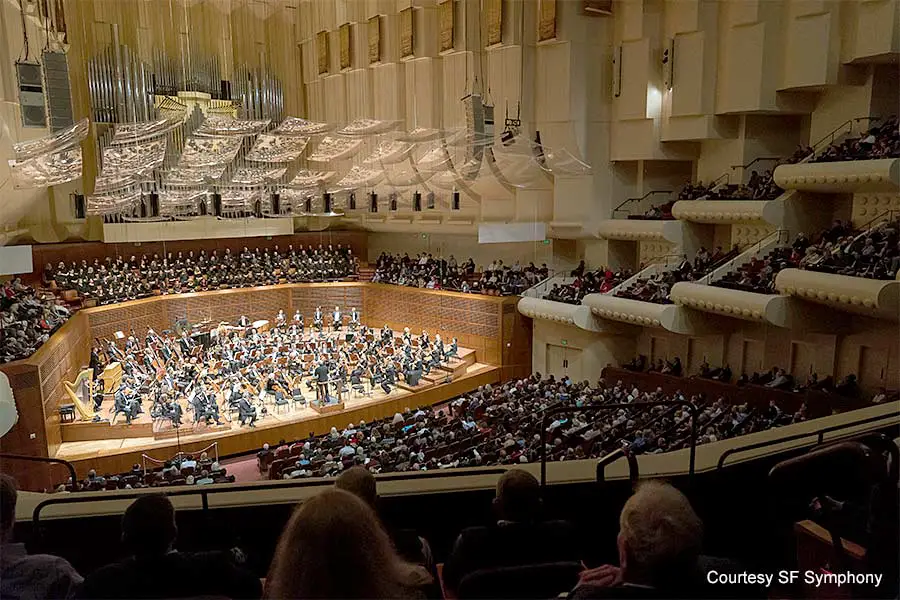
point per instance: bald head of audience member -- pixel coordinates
(659, 538)
(518, 497)
(359, 482)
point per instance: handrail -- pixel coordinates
(644, 197)
(754, 249)
(718, 180)
(44, 459)
(820, 433)
(756, 160)
(658, 261)
(634, 472)
(606, 407)
(831, 135)
(205, 491)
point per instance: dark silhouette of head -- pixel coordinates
(148, 526)
(518, 496)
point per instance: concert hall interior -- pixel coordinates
(602, 295)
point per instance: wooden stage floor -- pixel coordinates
(119, 454)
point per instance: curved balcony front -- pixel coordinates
(670, 317)
(871, 297)
(845, 177)
(576, 315)
(718, 212)
(762, 308)
(640, 230)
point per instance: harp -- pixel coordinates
(80, 392)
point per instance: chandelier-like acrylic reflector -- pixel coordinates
(335, 148)
(257, 176)
(106, 183)
(209, 151)
(387, 152)
(60, 140)
(175, 202)
(366, 127)
(226, 126)
(46, 169)
(186, 176)
(311, 179)
(238, 199)
(130, 133)
(301, 127)
(138, 158)
(359, 177)
(114, 202)
(277, 148)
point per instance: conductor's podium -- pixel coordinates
(324, 409)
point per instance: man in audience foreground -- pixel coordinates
(518, 538)
(24, 576)
(156, 570)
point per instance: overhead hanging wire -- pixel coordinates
(24, 32)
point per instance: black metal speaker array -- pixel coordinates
(154, 204)
(455, 200)
(417, 201)
(351, 201)
(217, 204)
(80, 208)
(276, 203)
(326, 202)
(373, 202)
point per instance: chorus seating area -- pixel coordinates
(426, 271)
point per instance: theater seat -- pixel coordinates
(544, 580)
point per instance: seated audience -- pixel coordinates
(518, 538)
(27, 320)
(23, 575)
(880, 141)
(118, 280)
(656, 288)
(335, 547)
(425, 271)
(156, 570)
(597, 281)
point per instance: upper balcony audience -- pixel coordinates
(23, 575)
(118, 280)
(155, 569)
(880, 141)
(872, 254)
(657, 287)
(27, 320)
(758, 275)
(597, 281)
(426, 271)
(657, 212)
(758, 187)
(335, 547)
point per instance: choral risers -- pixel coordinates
(870, 297)
(881, 175)
(576, 315)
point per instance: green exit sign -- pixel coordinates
(564, 342)
(546, 242)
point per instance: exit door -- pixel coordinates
(564, 361)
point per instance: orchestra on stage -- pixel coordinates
(207, 376)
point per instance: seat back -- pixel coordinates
(545, 580)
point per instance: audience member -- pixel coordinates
(659, 544)
(335, 547)
(27, 320)
(156, 570)
(597, 281)
(519, 537)
(411, 547)
(28, 576)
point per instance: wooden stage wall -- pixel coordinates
(490, 325)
